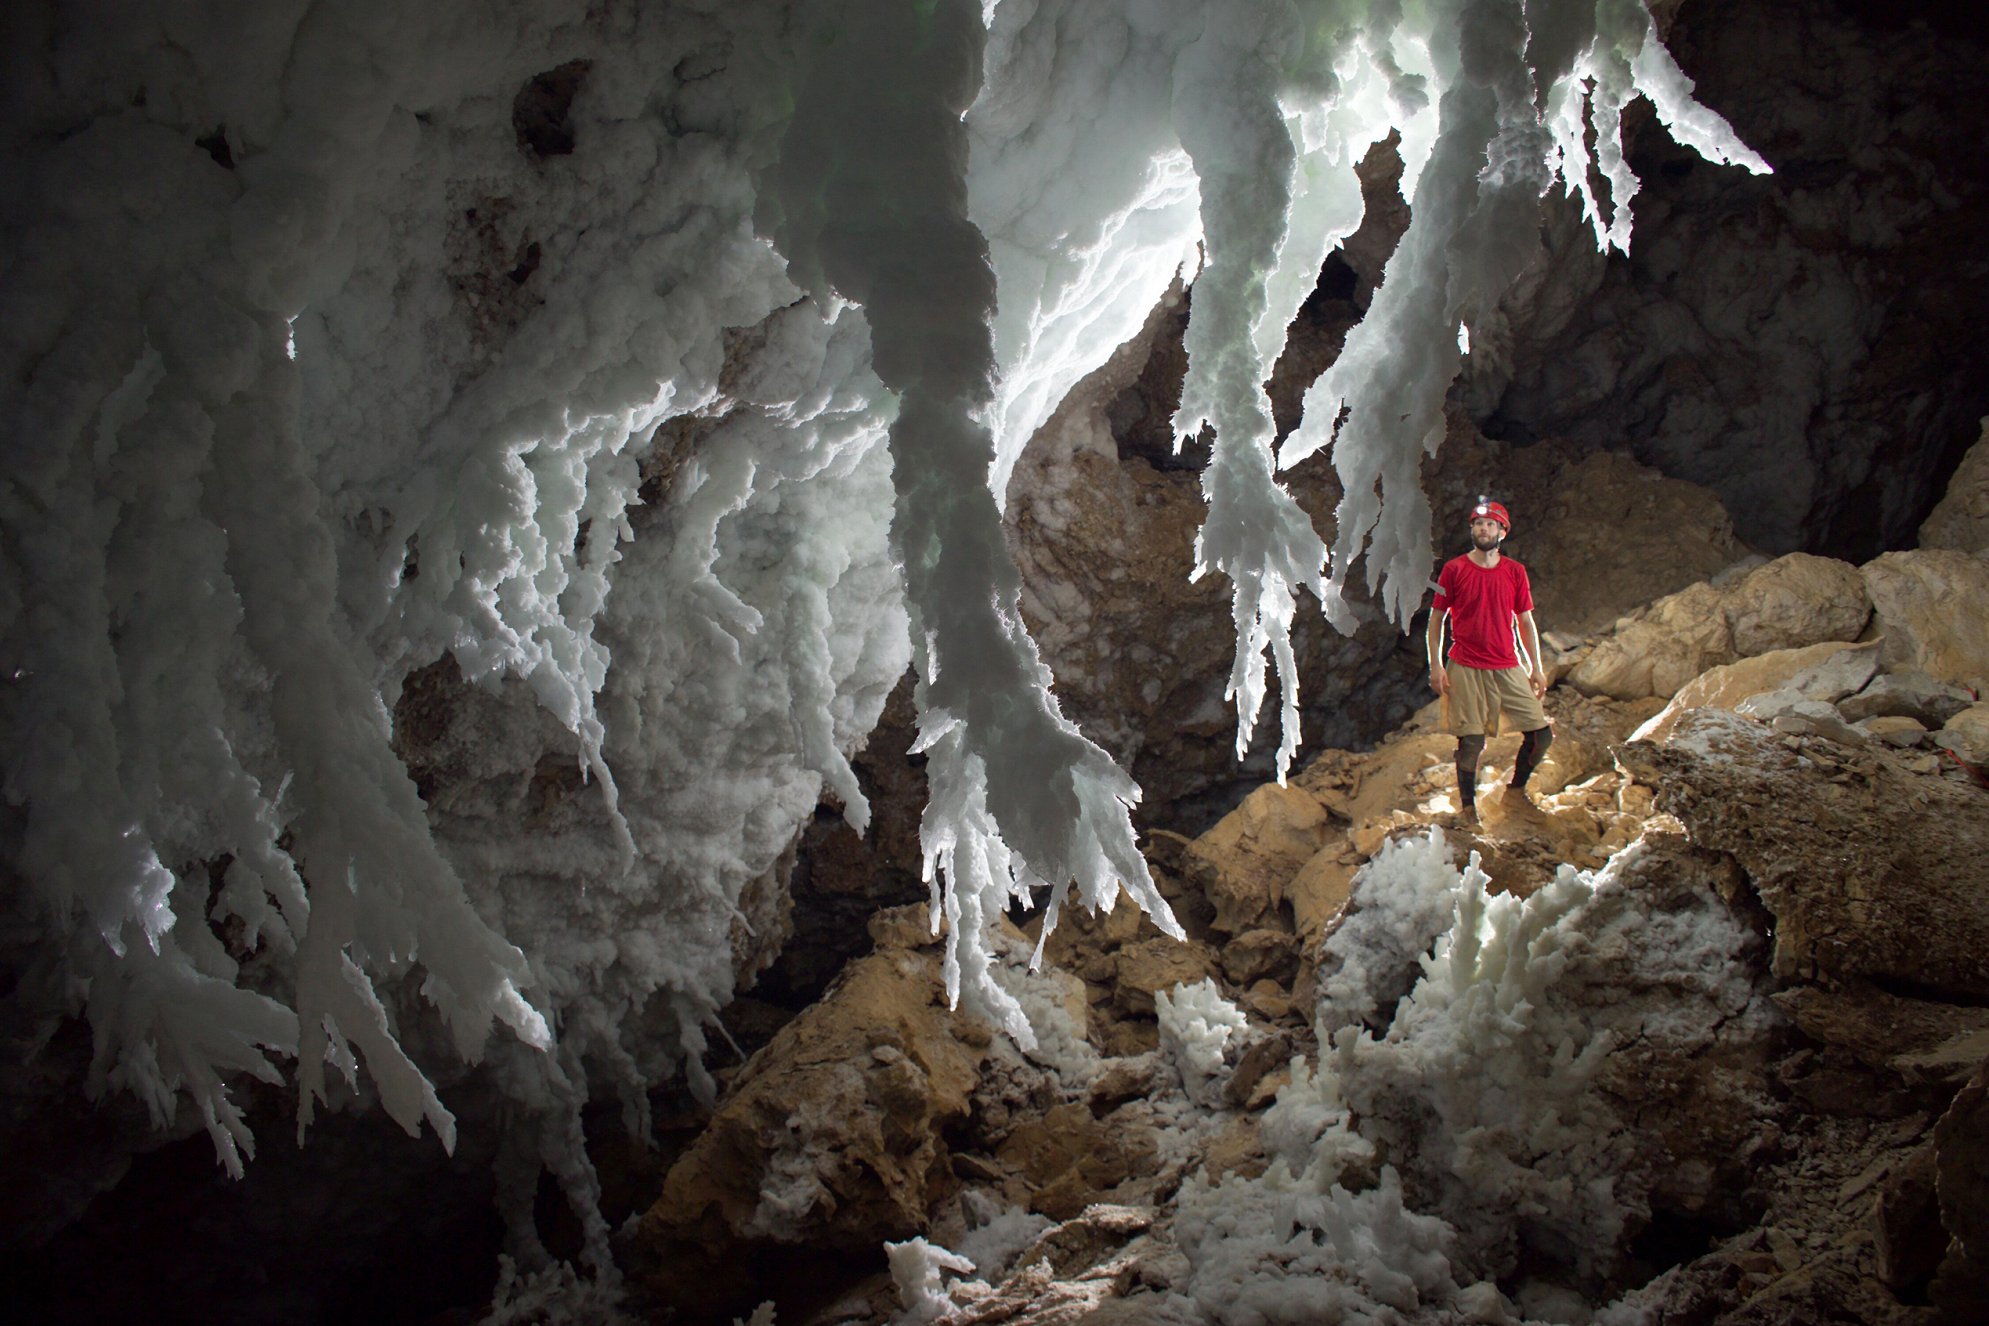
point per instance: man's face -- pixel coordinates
(1486, 533)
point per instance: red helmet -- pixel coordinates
(1486, 507)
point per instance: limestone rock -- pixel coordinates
(1918, 1040)
(1961, 519)
(1797, 600)
(1836, 843)
(1896, 730)
(1661, 649)
(830, 1136)
(1133, 1078)
(1320, 890)
(1148, 966)
(1792, 602)
(1391, 777)
(1246, 861)
(1585, 727)
(1909, 693)
(1256, 954)
(1825, 671)
(1068, 1158)
(1814, 718)
(1930, 607)
(1967, 734)
(1841, 673)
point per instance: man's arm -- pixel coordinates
(1529, 639)
(1439, 679)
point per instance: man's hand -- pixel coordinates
(1539, 680)
(1439, 679)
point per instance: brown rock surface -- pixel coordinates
(1244, 864)
(1609, 535)
(1320, 889)
(829, 1138)
(1836, 843)
(1961, 1151)
(1920, 1040)
(1068, 1157)
(1906, 1221)
(1148, 966)
(1933, 609)
(1960, 520)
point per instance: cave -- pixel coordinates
(766, 663)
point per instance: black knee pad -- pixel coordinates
(1534, 744)
(1468, 751)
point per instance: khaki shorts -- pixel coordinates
(1477, 695)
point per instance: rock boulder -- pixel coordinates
(1960, 520)
(828, 1140)
(1909, 694)
(1827, 672)
(1930, 608)
(1836, 843)
(1797, 600)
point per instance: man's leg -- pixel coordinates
(1532, 746)
(1468, 751)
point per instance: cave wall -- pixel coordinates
(1804, 343)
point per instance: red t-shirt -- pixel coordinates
(1482, 604)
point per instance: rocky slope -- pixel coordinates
(1736, 937)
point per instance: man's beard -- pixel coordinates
(1487, 542)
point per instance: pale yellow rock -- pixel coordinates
(1972, 726)
(1368, 836)
(1658, 651)
(1961, 520)
(1388, 773)
(1244, 863)
(1795, 601)
(1933, 609)
(1896, 729)
(1726, 686)
(1320, 890)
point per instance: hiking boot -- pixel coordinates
(1516, 801)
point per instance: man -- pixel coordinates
(1486, 598)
